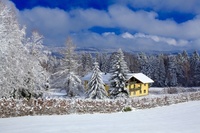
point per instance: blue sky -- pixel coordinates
(138, 25)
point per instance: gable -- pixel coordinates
(140, 77)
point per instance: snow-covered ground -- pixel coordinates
(160, 91)
(179, 118)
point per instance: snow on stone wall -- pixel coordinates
(24, 107)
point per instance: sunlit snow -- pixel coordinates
(179, 118)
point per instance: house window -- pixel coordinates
(140, 91)
(144, 91)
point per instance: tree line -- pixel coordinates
(179, 69)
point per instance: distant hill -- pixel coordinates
(56, 51)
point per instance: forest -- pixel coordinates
(28, 69)
(179, 69)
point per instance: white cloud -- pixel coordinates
(156, 39)
(151, 33)
(84, 19)
(56, 24)
(129, 42)
(185, 6)
(146, 22)
(127, 35)
(108, 33)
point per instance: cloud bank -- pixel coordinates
(140, 29)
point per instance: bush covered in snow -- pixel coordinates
(24, 107)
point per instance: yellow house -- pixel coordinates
(137, 84)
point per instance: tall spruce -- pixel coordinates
(86, 63)
(96, 89)
(195, 69)
(145, 64)
(183, 69)
(171, 75)
(158, 71)
(196, 75)
(119, 73)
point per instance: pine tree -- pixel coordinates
(86, 62)
(158, 71)
(196, 75)
(105, 63)
(132, 62)
(183, 69)
(145, 64)
(194, 64)
(119, 73)
(96, 89)
(171, 79)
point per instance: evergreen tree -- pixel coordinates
(196, 76)
(105, 63)
(132, 62)
(171, 79)
(194, 63)
(159, 71)
(96, 89)
(145, 64)
(119, 73)
(86, 61)
(183, 69)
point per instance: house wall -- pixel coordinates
(135, 89)
(107, 87)
(86, 84)
(138, 89)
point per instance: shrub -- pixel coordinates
(126, 109)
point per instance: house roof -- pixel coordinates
(141, 77)
(106, 77)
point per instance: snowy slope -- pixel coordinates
(179, 118)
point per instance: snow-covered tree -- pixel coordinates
(37, 76)
(145, 64)
(132, 62)
(96, 89)
(194, 64)
(183, 69)
(66, 78)
(196, 75)
(158, 71)
(171, 79)
(12, 53)
(21, 72)
(119, 73)
(86, 61)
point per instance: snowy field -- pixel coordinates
(179, 118)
